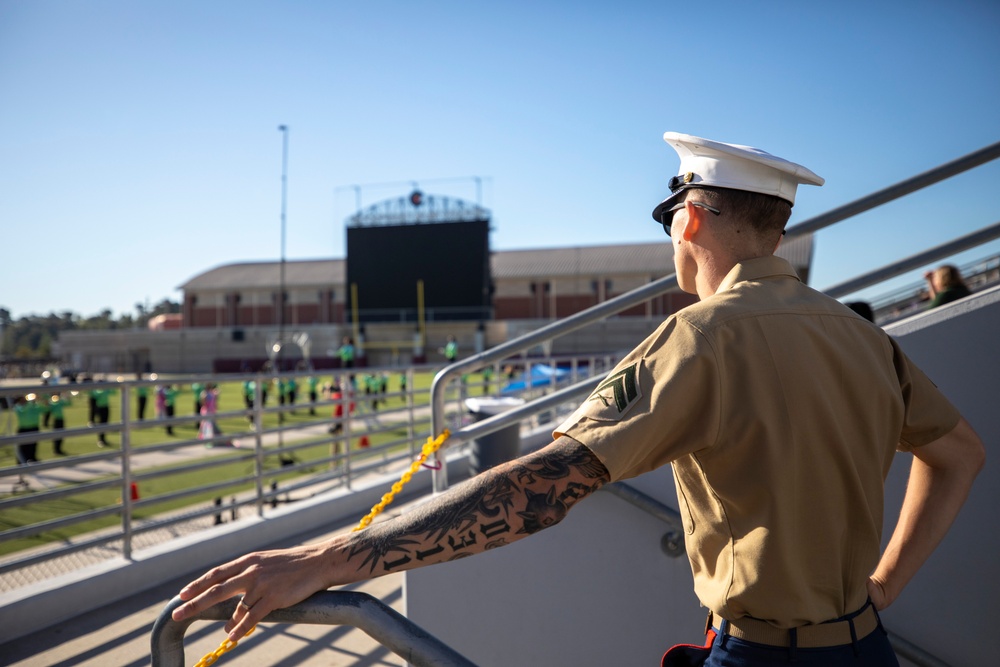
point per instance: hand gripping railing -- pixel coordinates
(360, 610)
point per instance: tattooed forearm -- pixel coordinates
(497, 507)
(444, 523)
(578, 458)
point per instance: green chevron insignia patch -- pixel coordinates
(615, 396)
(620, 390)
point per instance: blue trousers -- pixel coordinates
(871, 651)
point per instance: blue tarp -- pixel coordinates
(541, 376)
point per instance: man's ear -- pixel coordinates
(695, 218)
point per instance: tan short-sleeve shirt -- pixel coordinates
(780, 410)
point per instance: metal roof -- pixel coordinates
(635, 258)
(260, 275)
(639, 258)
(647, 259)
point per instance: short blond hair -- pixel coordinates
(763, 216)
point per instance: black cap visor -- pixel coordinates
(668, 203)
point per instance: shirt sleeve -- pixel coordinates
(661, 402)
(928, 415)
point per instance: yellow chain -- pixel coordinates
(431, 446)
(226, 646)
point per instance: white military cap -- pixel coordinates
(713, 163)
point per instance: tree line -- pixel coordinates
(31, 337)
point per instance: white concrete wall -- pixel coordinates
(597, 590)
(949, 608)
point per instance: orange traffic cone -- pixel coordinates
(134, 489)
(363, 441)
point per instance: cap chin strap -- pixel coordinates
(680, 180)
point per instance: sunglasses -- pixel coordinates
(667, 217)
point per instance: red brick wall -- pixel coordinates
(505, 308)
(529, 307)
(511, 308)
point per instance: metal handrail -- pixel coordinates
(360, 610)
(900, 189)
(379, 621)
(525, 342)
(118, 470)
(914, 261)
(978, 274)
(514, 415)
(117, 473)
(673, 540)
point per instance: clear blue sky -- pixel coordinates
(140, 143)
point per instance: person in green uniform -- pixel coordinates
(169, 403)
(402, 385)
(371, 389)
(197, 388)
(56, 405)
(451, 350)
(945, 285)
(291, 392)
(29, 416)
(102, 411)
(346, 353)
(249, 389)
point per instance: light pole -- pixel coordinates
(281, 280)
(281, 289)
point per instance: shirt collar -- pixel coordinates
(757, 268)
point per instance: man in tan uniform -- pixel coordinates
(780, 410)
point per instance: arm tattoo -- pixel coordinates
(482, 512)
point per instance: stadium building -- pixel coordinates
(418, 269)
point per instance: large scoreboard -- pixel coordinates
(387, 264)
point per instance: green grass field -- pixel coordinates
(230, 400)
